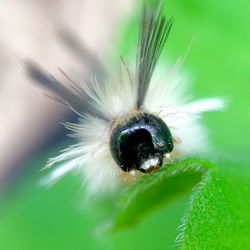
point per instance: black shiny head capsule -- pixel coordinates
(140, 143)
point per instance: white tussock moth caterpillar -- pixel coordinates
(134, 125)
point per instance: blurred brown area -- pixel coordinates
(30, 30)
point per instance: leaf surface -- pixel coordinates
(158, 188)
(218, 216)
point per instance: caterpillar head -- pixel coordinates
(140, 143)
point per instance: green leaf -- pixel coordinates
(218, 217)
(162, 186)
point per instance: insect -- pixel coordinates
(133, 124)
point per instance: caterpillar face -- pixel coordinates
(140, 143)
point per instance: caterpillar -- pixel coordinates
(133, 124)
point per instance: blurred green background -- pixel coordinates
(32, 217)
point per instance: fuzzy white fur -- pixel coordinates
(166, 98)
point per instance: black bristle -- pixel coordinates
(154, 31)
(71, 94)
